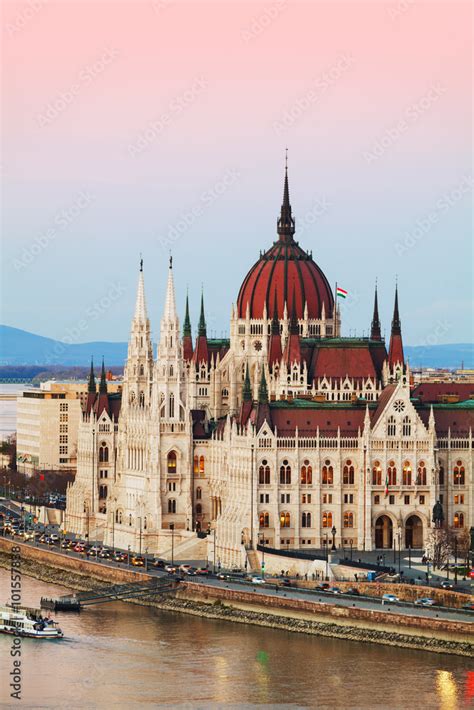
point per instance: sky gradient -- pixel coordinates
(157, 126)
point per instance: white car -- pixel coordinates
(425, 602)
(257, 580)
(390, 598)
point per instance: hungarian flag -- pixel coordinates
(41, 476)
(341, 292)
(386, 484)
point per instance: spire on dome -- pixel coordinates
(294, 329)
(103, 380)
(375, 333)
(286, 223)
(275, 328)
(91, 386)
(262, 390)
(169, 312)
(247, 391)
(140, 306)
(202, 319)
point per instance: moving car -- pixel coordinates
(138, 561)
(257, 580)
(353, 591)
(202, 571)
(425, 601)
(322, 586)
(171, 569)
(158, 564)
(335, 590)
(447, 584)
(390, 598)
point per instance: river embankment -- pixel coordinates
(247, 607)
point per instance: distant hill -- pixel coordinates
(18, 347)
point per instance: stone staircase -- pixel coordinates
(254, 561)
(194, 548)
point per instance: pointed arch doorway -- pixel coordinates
(414, 532)
(383, 533)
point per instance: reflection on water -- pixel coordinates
(122, 656)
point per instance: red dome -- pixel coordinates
(290, 272)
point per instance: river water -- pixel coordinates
(120, 655)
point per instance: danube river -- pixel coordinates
(120, 655)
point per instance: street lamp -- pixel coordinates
(128, 556)
(327, 557)
(263, 556)
(146, 559)
(455, 560)
(399, 551)
(333, 532)
(351, 541)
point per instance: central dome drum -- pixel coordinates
(285, 274)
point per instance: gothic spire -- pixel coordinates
(262, 390)
(169, 312)
(202, 319)
(275, 329)
(286, 223)
(187, 320)
(375, 333)
(247, 391)
(103, 380)
(396, 325)
(91, 387)
(140, 306)
(294, 329)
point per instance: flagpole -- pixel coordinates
(335, 312)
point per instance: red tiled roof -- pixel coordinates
(308, 420)
(458, 420)
(339, 362)
(431, 391)
(382, 403)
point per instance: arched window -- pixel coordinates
(172, 505)
(172, 462)
(144, 523)
(171, 371)
(306, 520)
(285, 473)
(264, 473)
(102, 491)
(264, 520)
(130, 519)
(459, 474)
(376, 474)
(391, 426)
(306, 474)
(406, 476)
(198, 493)
(406, 426)
(327, 520)
(348, 473)
(392, 473)
(198, 509)
(196, 464)
(441, 476)
(421, 474)
(285, 520)
(201, 465)
(458, 520)
(103, 453)
(141, 400)
(327, 474)
(142, 370)
(118, 516)
(348, 520)
(171, 406)
(132, 397)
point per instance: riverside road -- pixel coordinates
(269, 588)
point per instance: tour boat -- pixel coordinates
(21, 621)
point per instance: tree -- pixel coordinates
(439, 547)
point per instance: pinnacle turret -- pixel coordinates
(375, 332)
(103, 380)
(92, 386)
(286, 222)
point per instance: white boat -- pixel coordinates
(22, 621)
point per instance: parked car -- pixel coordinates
(425, 601)
(257, 580)
(184, 568)
(335, 590)
(468, 607)
(322, 586)
(390, 598)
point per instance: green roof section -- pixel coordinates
(465, 404)
(311, 404)
(218, 342)
(342, 342)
